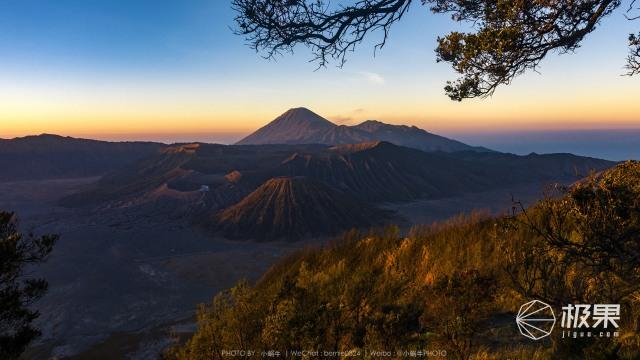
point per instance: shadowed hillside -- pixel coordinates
(142, 176)
(51, 156)
(223, 170)
(381, 171)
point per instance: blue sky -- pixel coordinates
(173, 69)
(183, 38)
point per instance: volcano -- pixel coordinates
(294, 207)
(295, 126)
(303, 126)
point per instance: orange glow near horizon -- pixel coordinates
(147, 126)
(228, 123)
(188, 110)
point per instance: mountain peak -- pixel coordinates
(371, 122)
(301, 109)
(370, 125)
(292, 127)
(375, 125)
(302, 115)
(50, 136)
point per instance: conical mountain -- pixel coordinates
(303, 126)
(295, 126)
(293, 207)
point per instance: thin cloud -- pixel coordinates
(350, 118)
(371, 77)
(341, 120)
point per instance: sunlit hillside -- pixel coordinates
(452, 286)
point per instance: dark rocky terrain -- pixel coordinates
(122, 280)
(220, 187)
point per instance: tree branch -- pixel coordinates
(276, 26)
(511, 37)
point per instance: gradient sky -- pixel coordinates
(173, 71)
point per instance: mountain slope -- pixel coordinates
(140, 177)
(292, 207)
(227, 171)
(302, 126)
(374, 171)
(52, 156)
(381, 171)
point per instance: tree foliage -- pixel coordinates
(633, 60)
(582, 245)
(511, 37)
(596, 227)
(507, 37)
(18, 290)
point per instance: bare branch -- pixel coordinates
(633, 60)
(275, 26)
(630, 9)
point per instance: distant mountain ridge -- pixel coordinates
(49, 156)
(303, 126)
(268, 192)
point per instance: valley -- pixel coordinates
(115, 272)
(125, 281)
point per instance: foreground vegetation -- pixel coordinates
(19, 289)
(451, 286)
